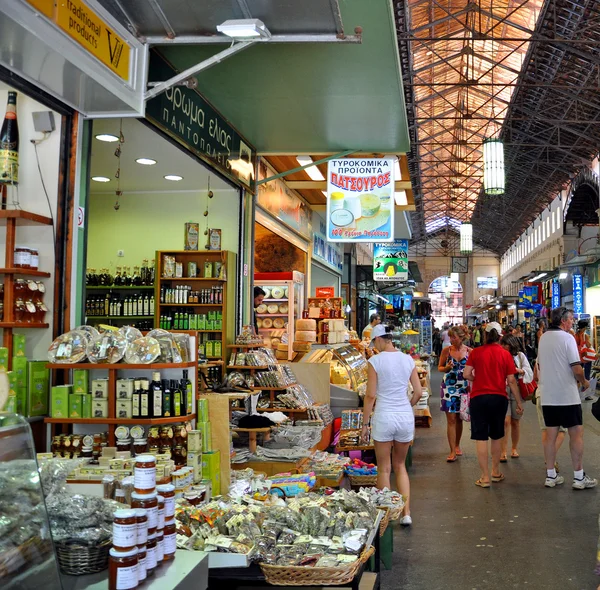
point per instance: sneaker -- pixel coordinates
(586, 482)
(406, 521)
(552, 482)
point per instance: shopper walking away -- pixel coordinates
(393, 421)
(560, 370)
(477, 336)
(445, 336)
(490, 368)
(542, 327)
(538, 408)
(454, 386)
(374, 320)
(437, 343)
(512, 423)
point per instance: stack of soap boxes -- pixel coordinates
(77, 400)
(211, 460)
(28, 381)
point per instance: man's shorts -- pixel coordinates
(565, 416)
(540, 415)
(487, 416)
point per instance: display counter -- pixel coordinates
(189, 571)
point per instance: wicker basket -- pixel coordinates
(76, 559)
(362, 480)
(298, 575)
(395, 511)
(385, 520)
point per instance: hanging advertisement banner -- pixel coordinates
(360, 200)
(390, 261)
(555, 294)
(577, 294)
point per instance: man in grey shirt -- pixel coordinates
(560, 371)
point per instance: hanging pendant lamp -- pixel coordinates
(493, 166)
(466, 238)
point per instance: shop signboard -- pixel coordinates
(186, 116)
(281, 202)
(390, 261)
(82, 24)
(555, 294)
(327, 253)
(360, 200)
(577, 293)
(487, 282)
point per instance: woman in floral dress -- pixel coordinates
(452, 363)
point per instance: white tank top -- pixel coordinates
(393, 374)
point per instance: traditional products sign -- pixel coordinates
(186, 116)
(360, 203)
(578, 293)
(390, 261)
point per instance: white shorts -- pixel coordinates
(393, 426)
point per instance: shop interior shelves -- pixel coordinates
(120, 317)
(26, 272)
(192, 305)
(271, 315)
(140, 421)
(246, 367)
(24, 217)
(192, 279)
(259, 388)
(121, 287)
(22, 325)
(120, 366)
(284, 410)
(255, 345)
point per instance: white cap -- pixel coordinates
(494, 326)
(377, 331)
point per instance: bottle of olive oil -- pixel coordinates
(9, 143)
(186, 387)
(156, 395)
(178, 407)
(145, 400)
(137, 392)
(167, 399)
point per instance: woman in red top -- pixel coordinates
(490, 368)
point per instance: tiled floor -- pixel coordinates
(518, 534)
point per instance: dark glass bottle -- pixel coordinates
(167, 400)
(178, 407)
(186, 388)
(9, 143)
(156, 395)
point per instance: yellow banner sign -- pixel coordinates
(83, 25)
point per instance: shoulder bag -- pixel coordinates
(527, 390)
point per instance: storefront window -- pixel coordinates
(446, 300)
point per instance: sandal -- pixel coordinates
(497, 478)
(514, 454)
(459, 452)
(482, 484)
(450, 459)
(503, 459)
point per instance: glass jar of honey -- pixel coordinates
(170, 539)
(144, 474)
(19, 310)
(124, 531)
(122, 569)
(149, 502)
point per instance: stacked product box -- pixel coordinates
(99, 394)
(194, 453)
(37, 387)
(211, 469)
(80, 405)
(59, 401)
(124, 401)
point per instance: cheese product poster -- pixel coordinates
(390, 261)
(360, 200)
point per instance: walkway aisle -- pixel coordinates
(518, 534)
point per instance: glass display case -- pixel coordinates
(348, 367)
(27, 558)
(282, 306)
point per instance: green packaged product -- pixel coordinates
(59, 398)
(20, 368)
(204, 428)
(76, 405)
(81, 381)
(11, 405)
(38, 386)
(86, 405)
(211, 469)
(4, 358)
(19, 341)
(202, 410)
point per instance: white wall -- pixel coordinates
(32, 198)
(319, 277)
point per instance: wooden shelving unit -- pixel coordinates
(12, 218)
(112, 421)
(227, 307)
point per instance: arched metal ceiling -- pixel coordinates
(528, 71)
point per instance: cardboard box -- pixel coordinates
(125, 388)
(124, 408)
(86, 405)
(75, 405)
(194, 441)
(194, 460)
(211, 469)
(99, 389)
(19, 341)
(4, 358)
(191, 237)
(99, 408)
(81, 381)
(59, 401)
(38, 386)
(204, 428)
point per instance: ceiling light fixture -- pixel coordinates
(246, 28)
(174, 177)
(312, 171)
(538, 277)
(107, 137)
(493, 167)
(466, 238)
(563, 275)
(401, 198)
(100, 179)
(146, 161)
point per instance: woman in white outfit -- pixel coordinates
(393, 421)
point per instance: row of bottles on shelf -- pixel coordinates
(182, 294)
(162, 398)
(113, 305)
(209, 347)
(211, 378)
(123, 277)
(182, 320)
